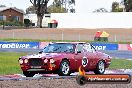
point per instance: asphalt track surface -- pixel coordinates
(122, 54)
(56, 76)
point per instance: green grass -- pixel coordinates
(121, 64)
(9, 63)
(36, 40)
(39, 40)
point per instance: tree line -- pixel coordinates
(40, 7)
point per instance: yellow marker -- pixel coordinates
(81, 71)
(104, 34)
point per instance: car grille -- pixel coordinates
(35, 62)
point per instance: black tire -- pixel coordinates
(28, 74)
(64, 69)
(100, 68)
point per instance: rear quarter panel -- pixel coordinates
(105, 57)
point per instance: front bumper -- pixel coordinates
(49, 67)
(36, 70)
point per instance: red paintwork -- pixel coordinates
(75, 60)
(129, 46)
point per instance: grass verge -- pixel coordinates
(38, 40)
(121, 64)
(9, 63)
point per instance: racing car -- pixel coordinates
(65, 58)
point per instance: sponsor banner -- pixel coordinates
(43, 44)
(129, 46)
(19, 45)
(103, 46)
(84, 78)
(98, 46)
(105, 78)
(122, 47)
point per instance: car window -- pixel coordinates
(79, 47)
(54, 48)
(51, 49)
(88, 48)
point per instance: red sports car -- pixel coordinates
(65, 58)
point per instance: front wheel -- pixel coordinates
(100, 68)
(64, 69)
(28, 74)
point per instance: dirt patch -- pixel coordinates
(57, 83)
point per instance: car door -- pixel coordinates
(78, 55)
(89, 57)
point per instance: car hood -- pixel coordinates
(43, 55)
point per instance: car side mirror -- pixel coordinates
(40, 52)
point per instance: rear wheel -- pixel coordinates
(64, 69)
(100, 68)
(28, 74)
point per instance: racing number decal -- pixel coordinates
(84, 61)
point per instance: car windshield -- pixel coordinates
(59, 47)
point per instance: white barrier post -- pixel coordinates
(62, 35)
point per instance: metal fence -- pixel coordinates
(62, 36)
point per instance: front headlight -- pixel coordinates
(46, 60)
(26, 61)
(21, 61)
(52, 61)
